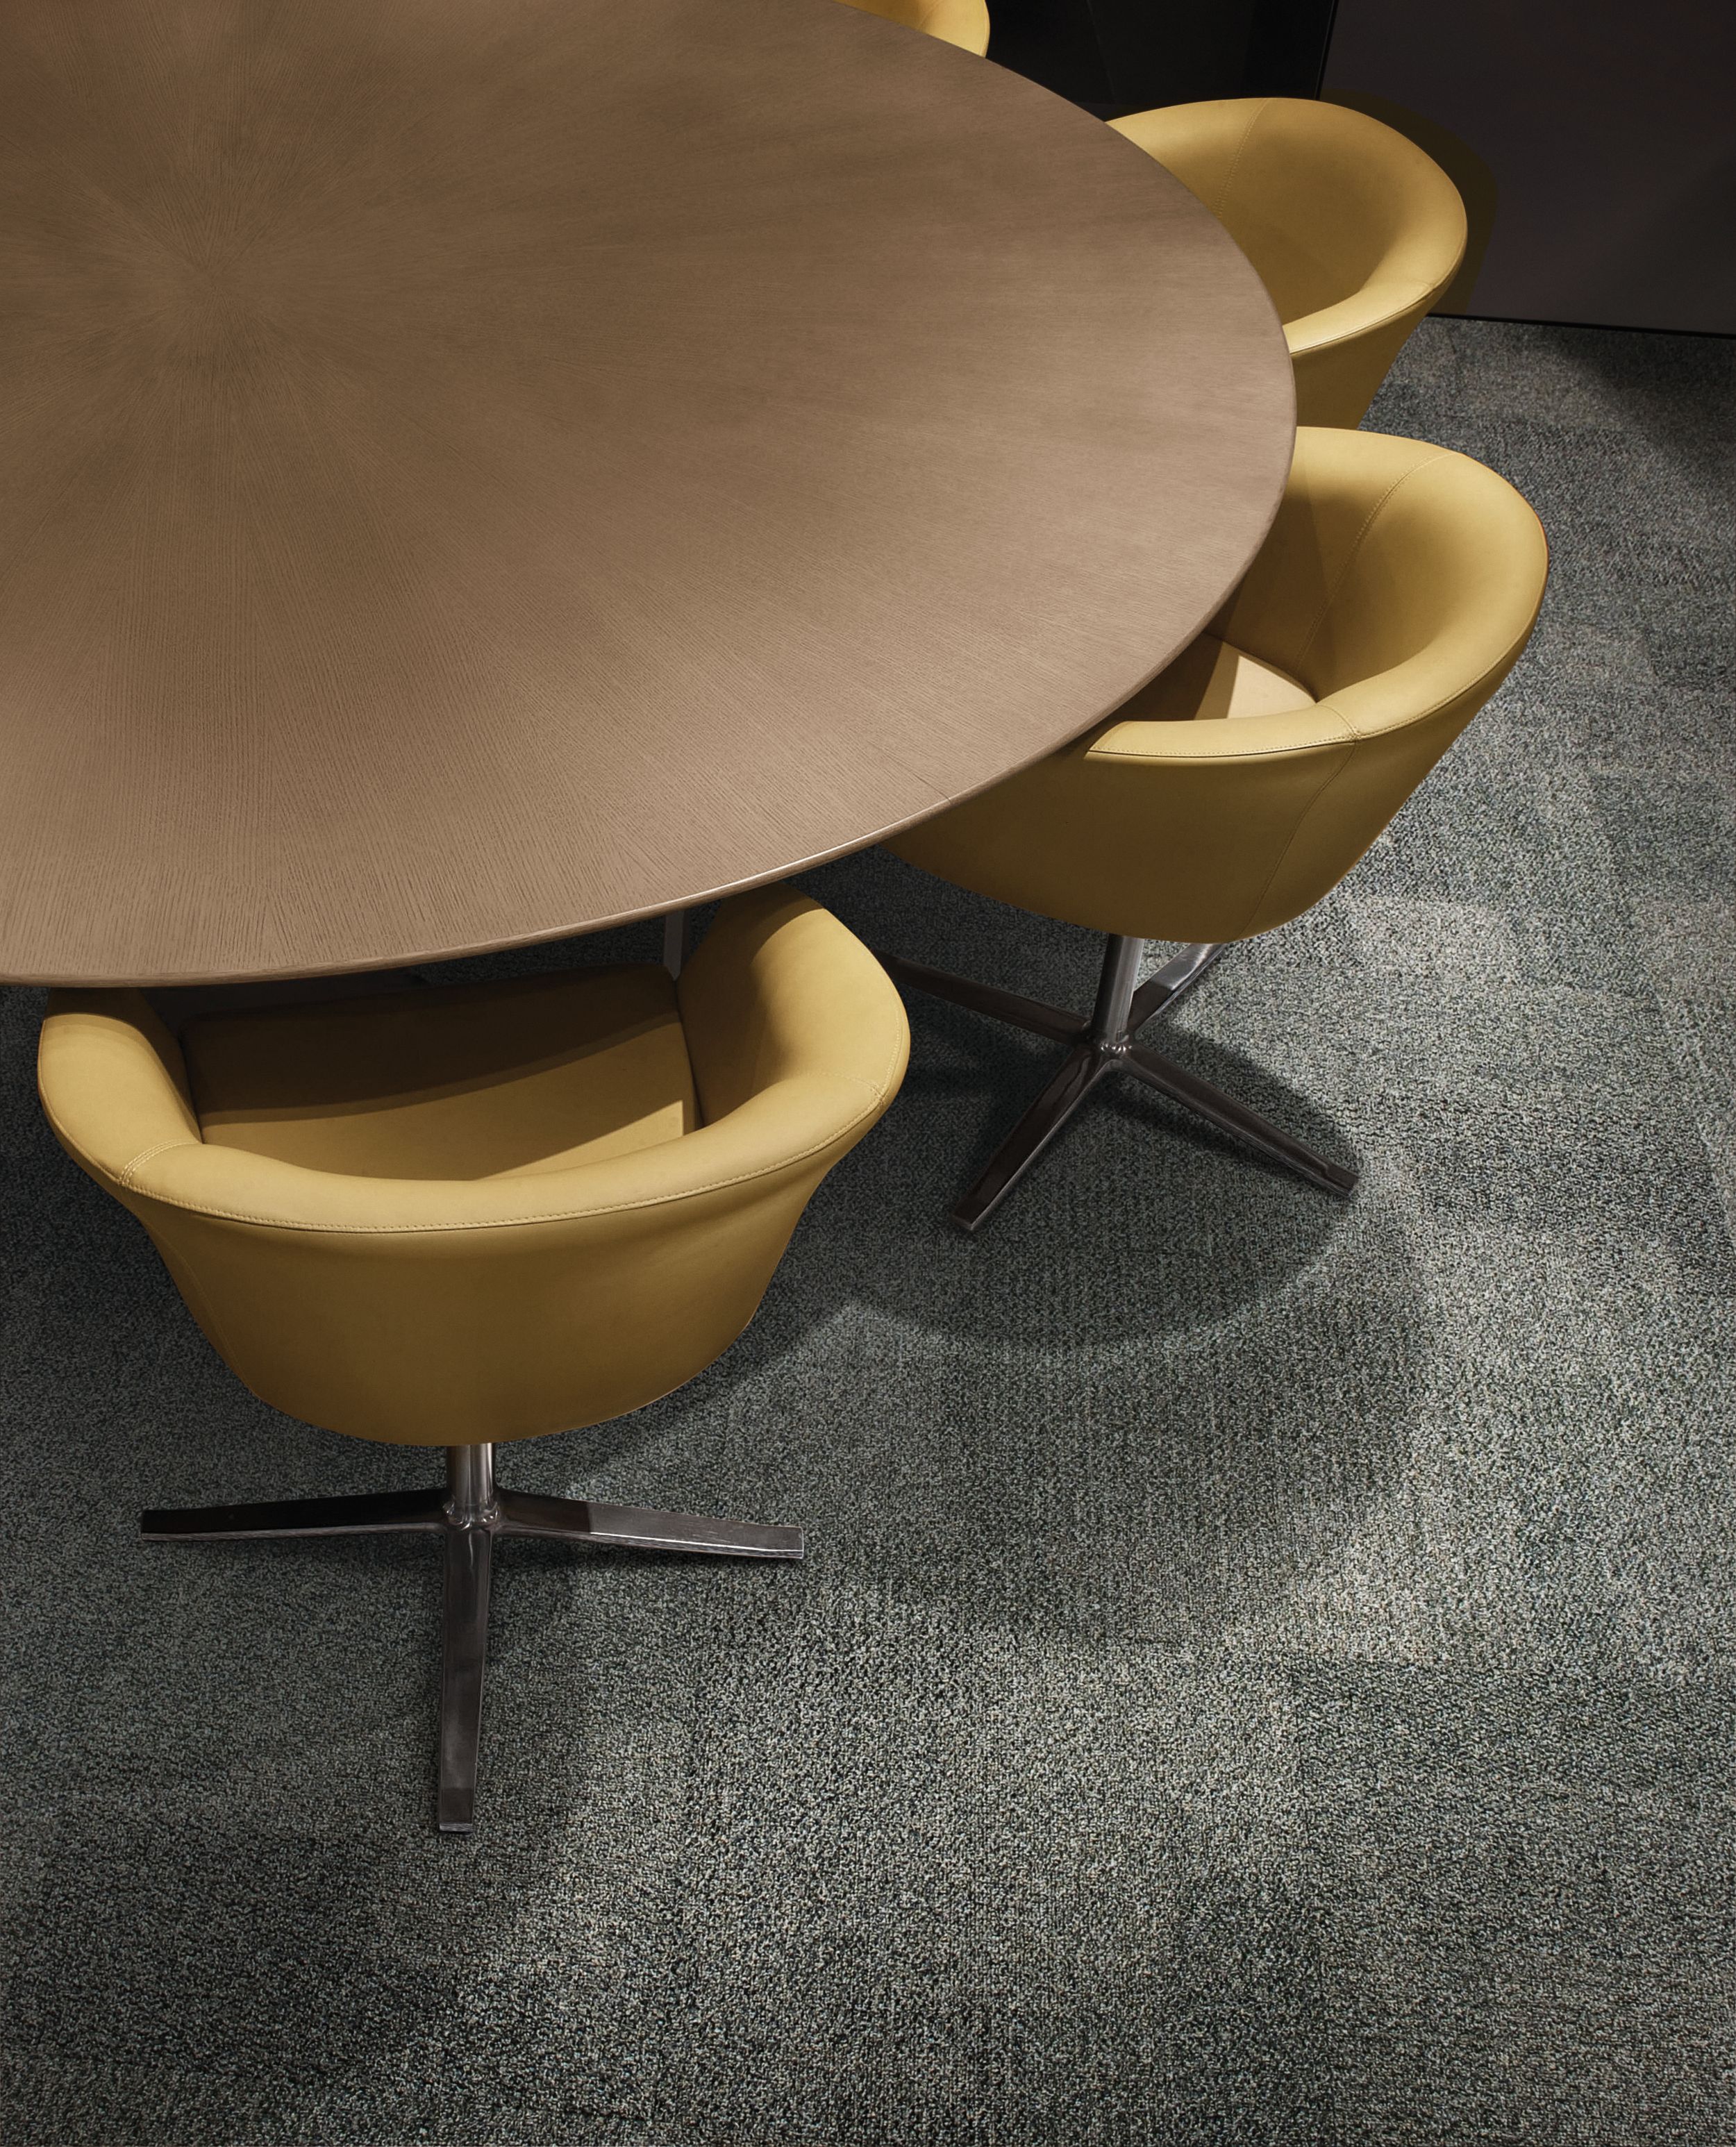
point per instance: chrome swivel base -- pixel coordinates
(1101, 1046)
(469, 1514)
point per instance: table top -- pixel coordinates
(471, 472)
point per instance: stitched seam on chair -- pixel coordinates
(1353, 734)
(1497, 669)
(1229, 759)
(514, 1222)
(1348, 736)
(1254, 118)
(1502, 664)
(1423, 291)
(124, 1176)
(1350, 558)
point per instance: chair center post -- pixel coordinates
(470, 1497)
(1115, 991)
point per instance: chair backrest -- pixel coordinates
(1397, 579)
(448, 1312)
(1323, 201)
(963, 22)
(1398, 585)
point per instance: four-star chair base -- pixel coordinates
(1101, 1046)
(469, 1512)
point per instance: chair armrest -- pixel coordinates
(791, 1129)
(1243, 737)
(1388, 300)
(113, 1081)
(780, 989)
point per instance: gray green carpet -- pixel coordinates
(1264, 1671)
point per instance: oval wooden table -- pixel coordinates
(470, 474)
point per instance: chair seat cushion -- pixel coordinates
(1105, 833)
(1212, 680)
(467, 1081)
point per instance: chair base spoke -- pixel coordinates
(374, 1512)
(1238, 1120)
(470, 1512)
(1054, 1022)
(643, 1528)
(1162, 992)
(1104, 1045)
(463, 1658)
(1072, 1081)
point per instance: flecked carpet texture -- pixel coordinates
(1265, 1669)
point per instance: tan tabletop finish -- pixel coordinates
(472, 471)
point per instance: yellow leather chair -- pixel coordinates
(954, 22)
(467, 1214)
(1396, 590)
(1353, 230)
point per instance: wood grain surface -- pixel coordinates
(475, 470)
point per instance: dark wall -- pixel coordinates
(1116, 56)
(1594, 142)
